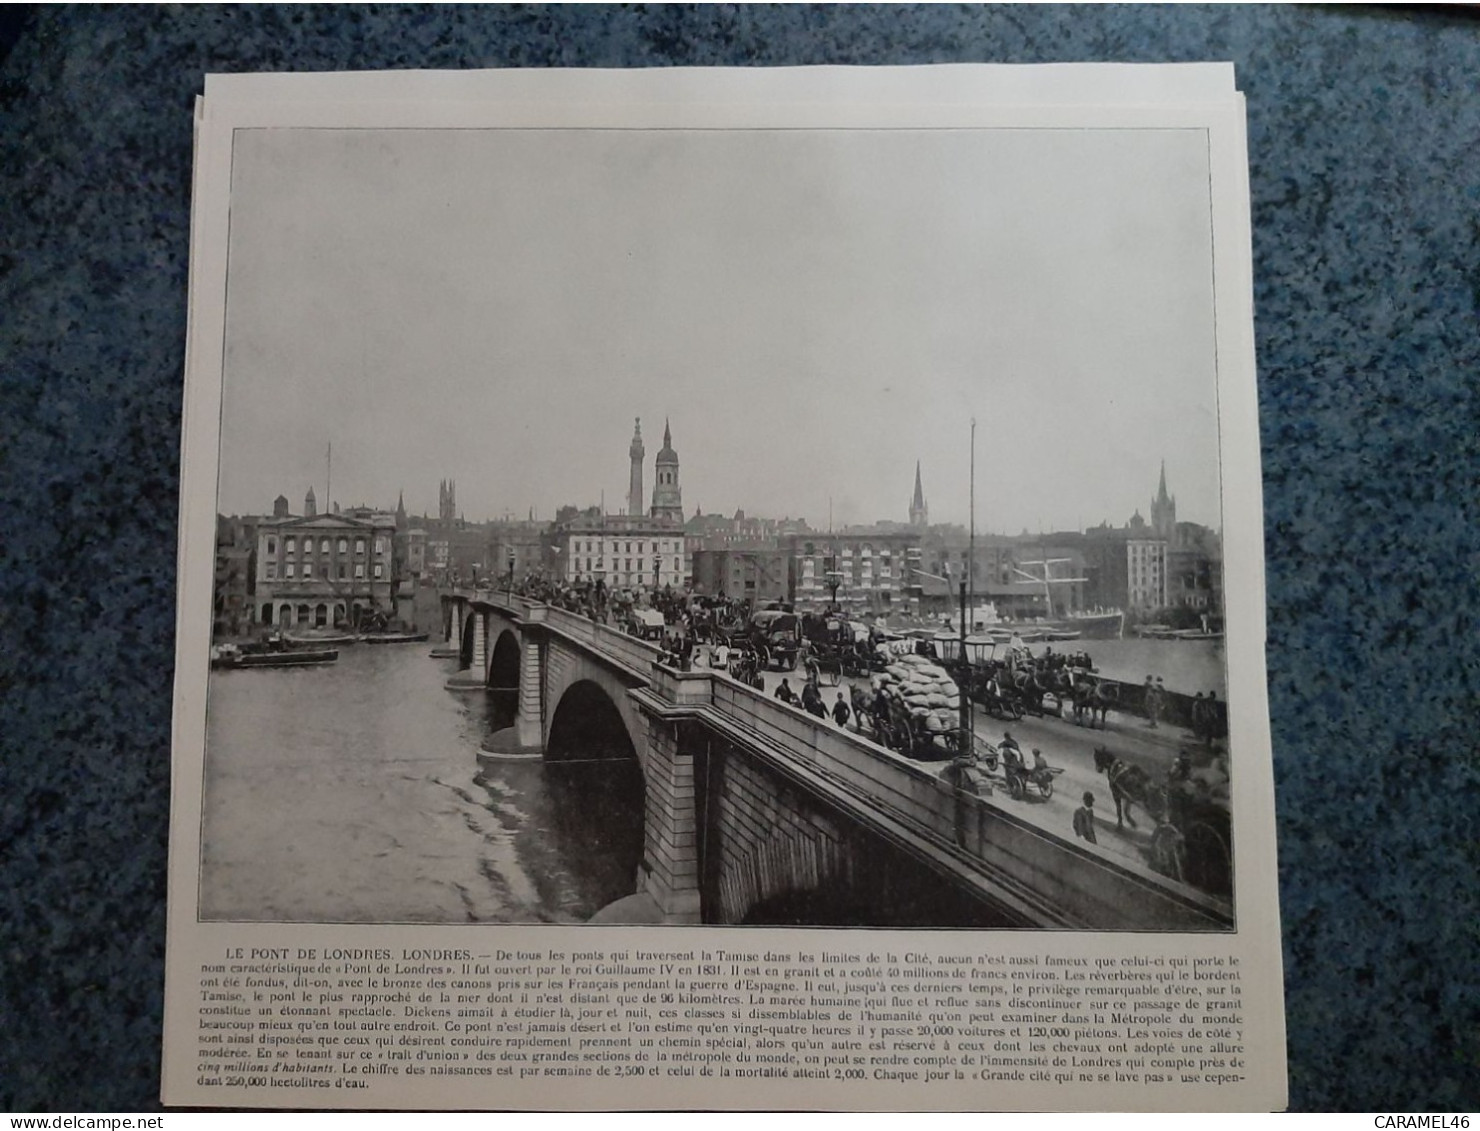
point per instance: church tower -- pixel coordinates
(667, 498)
(310, 505)
(919, 512)
(1164, 511)
(447, 500)
(634, 486)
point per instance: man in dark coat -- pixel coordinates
(841, 712)
(1084, 819)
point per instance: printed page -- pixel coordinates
(707, 580)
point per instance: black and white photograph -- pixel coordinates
(738, 527)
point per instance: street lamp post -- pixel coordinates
(511, 574)
(834, 582)
(963, 681)
(957, 655)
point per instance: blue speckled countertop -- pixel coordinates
(1364, 138)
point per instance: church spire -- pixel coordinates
(1164, 509)
(919, 512)
(667, 495)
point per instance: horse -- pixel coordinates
(1129, 785)
(1060, 684)
(1093, 696)
(1031, 689)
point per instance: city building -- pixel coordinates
(1146, 574)
(1156, 567)
(318, 570)
(521, 548)
(622, 552)
(233, 589)
(865, 569)
(758, 575)
(629, 550)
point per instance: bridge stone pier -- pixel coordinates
(756, 812)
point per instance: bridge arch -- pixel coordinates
(588, 725)
(595, 778)
(503, 662)
(566, 668)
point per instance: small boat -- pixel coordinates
(231, 656)
(395, 637)
(1156, 631)
(326, 641)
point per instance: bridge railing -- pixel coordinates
(502, 599)
(1042, 871)
(639, 655)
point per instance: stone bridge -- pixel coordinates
(756, 811)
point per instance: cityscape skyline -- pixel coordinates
(548, 515)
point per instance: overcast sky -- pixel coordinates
(813, 310)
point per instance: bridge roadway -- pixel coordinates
(1067, 746)
(1017, 855)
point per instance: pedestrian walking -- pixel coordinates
(1217, 724)
(1152, 701)
(1084, 819)
(841, 711)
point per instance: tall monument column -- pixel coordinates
(634, 490)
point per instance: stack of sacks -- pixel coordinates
(927, 691)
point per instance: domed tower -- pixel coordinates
(667, 498)
(634, 486)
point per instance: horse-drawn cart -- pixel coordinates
(836, 648)
(1204, 823)
(916, 711)
(774, 636)
(1193, 836)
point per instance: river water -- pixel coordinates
(1186, 666)
(354, 793)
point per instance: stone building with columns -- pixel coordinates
(316, 570)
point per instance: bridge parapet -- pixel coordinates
(496, 598)
(636, 655)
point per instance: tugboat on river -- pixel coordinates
(274, 652)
